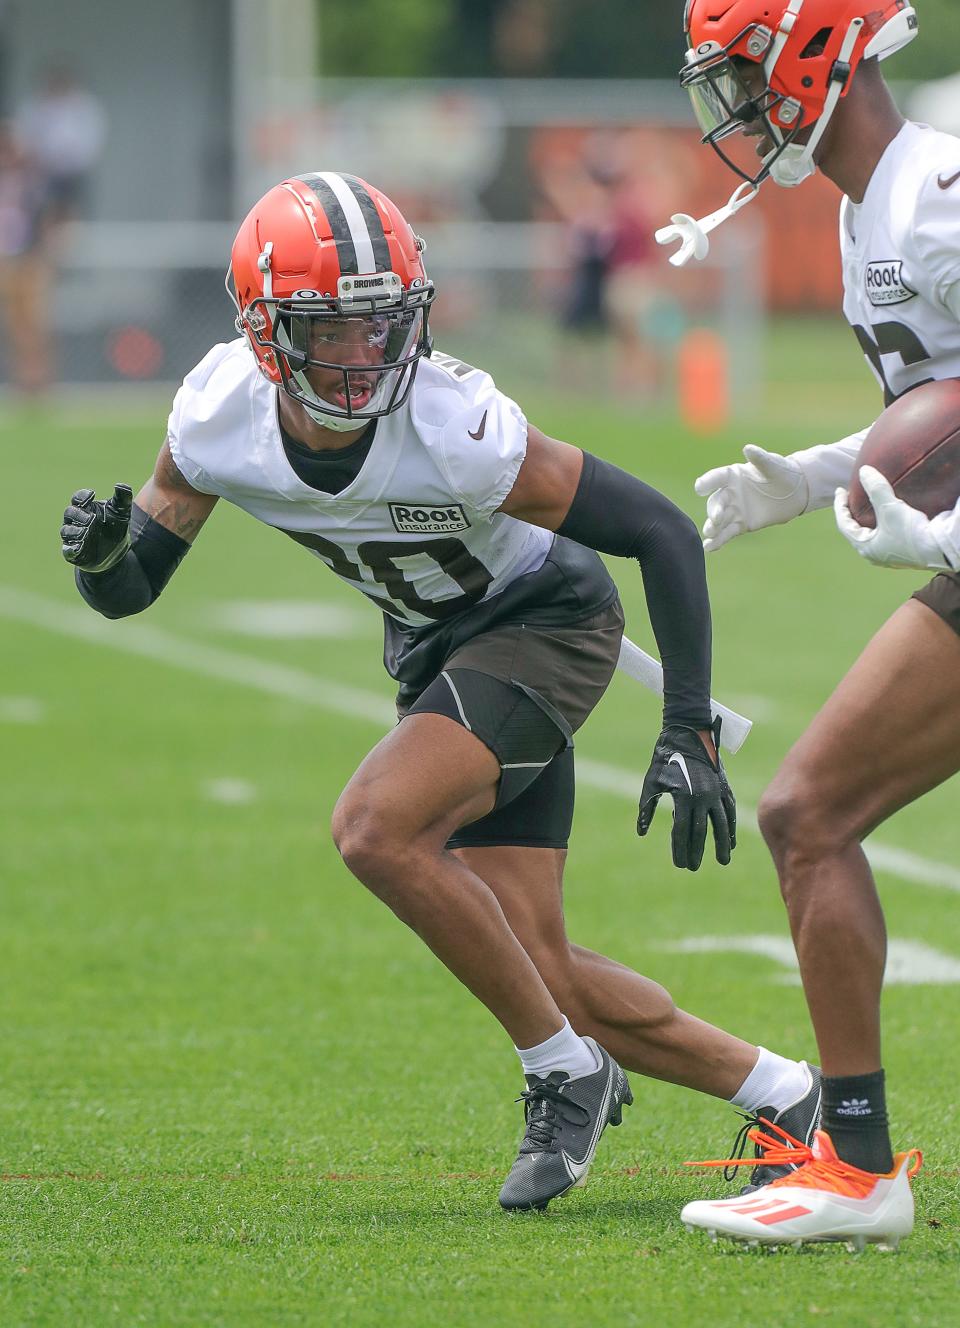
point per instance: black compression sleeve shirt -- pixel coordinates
(137, 579)
(616, 513)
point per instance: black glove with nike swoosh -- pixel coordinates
(94, 535)
(682, 767)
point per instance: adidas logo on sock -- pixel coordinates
(857, 1106)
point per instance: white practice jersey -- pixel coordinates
(901, 258)
(418, 530)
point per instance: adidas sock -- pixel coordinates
(855, 1117)
(773, 1082)
(564, 1051)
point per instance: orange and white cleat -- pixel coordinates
(824, 1199)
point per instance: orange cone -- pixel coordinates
(704, 381)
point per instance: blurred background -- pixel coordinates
(537, 144)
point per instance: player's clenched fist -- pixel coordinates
(94, 535)
(682, 767)
(766, 490)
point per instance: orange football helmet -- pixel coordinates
(327, 277)
(772, 69)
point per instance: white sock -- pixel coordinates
(564, 1051)
(773, 1082)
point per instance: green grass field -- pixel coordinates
(235, 1091)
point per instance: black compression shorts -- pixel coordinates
(524, 691)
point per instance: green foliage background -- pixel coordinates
(607, 38)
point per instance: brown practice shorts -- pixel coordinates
(568, 667)
(942, 594)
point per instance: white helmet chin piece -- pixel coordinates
(794, 165)
(336, 423)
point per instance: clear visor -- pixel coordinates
(716, 97)
(732, 103)
(727, 96)
(336, 341)
(352, 367)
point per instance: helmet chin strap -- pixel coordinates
(336, 423)
(795, 163)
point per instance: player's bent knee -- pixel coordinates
(365, 839)
(380, 851)
(782, 815)
(377, 861)
(797, 822)
(774, 813)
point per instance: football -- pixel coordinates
(915, 444)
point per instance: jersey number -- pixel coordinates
(450, 554)
(454, 367)
(891, 339)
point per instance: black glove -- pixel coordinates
(682, 768)
(95, 536)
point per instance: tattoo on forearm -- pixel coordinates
(182, 520)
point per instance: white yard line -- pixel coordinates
(909, 963)
(230, 792)
(138, 638)
(884, 857)
(291, 619)
(21, 710)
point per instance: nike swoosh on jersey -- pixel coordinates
(677, 759)
(481, 431)
(948, 184)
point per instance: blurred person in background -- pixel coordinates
(25, 267)
(593, 185)
(782, 90)
(523, 34)
(62, 128)
(409, 474)
(572, 176)
(584, 311)
(631, 287)
(46, 156)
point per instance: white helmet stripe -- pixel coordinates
(359, 234)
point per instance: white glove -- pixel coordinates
(767, 490)
(829, 467)
(903, 536)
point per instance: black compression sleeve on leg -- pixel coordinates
(134, 583)
(616, 513)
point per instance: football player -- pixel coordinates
(421, 485)
(799, 84)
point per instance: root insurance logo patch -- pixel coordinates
(421, 519)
